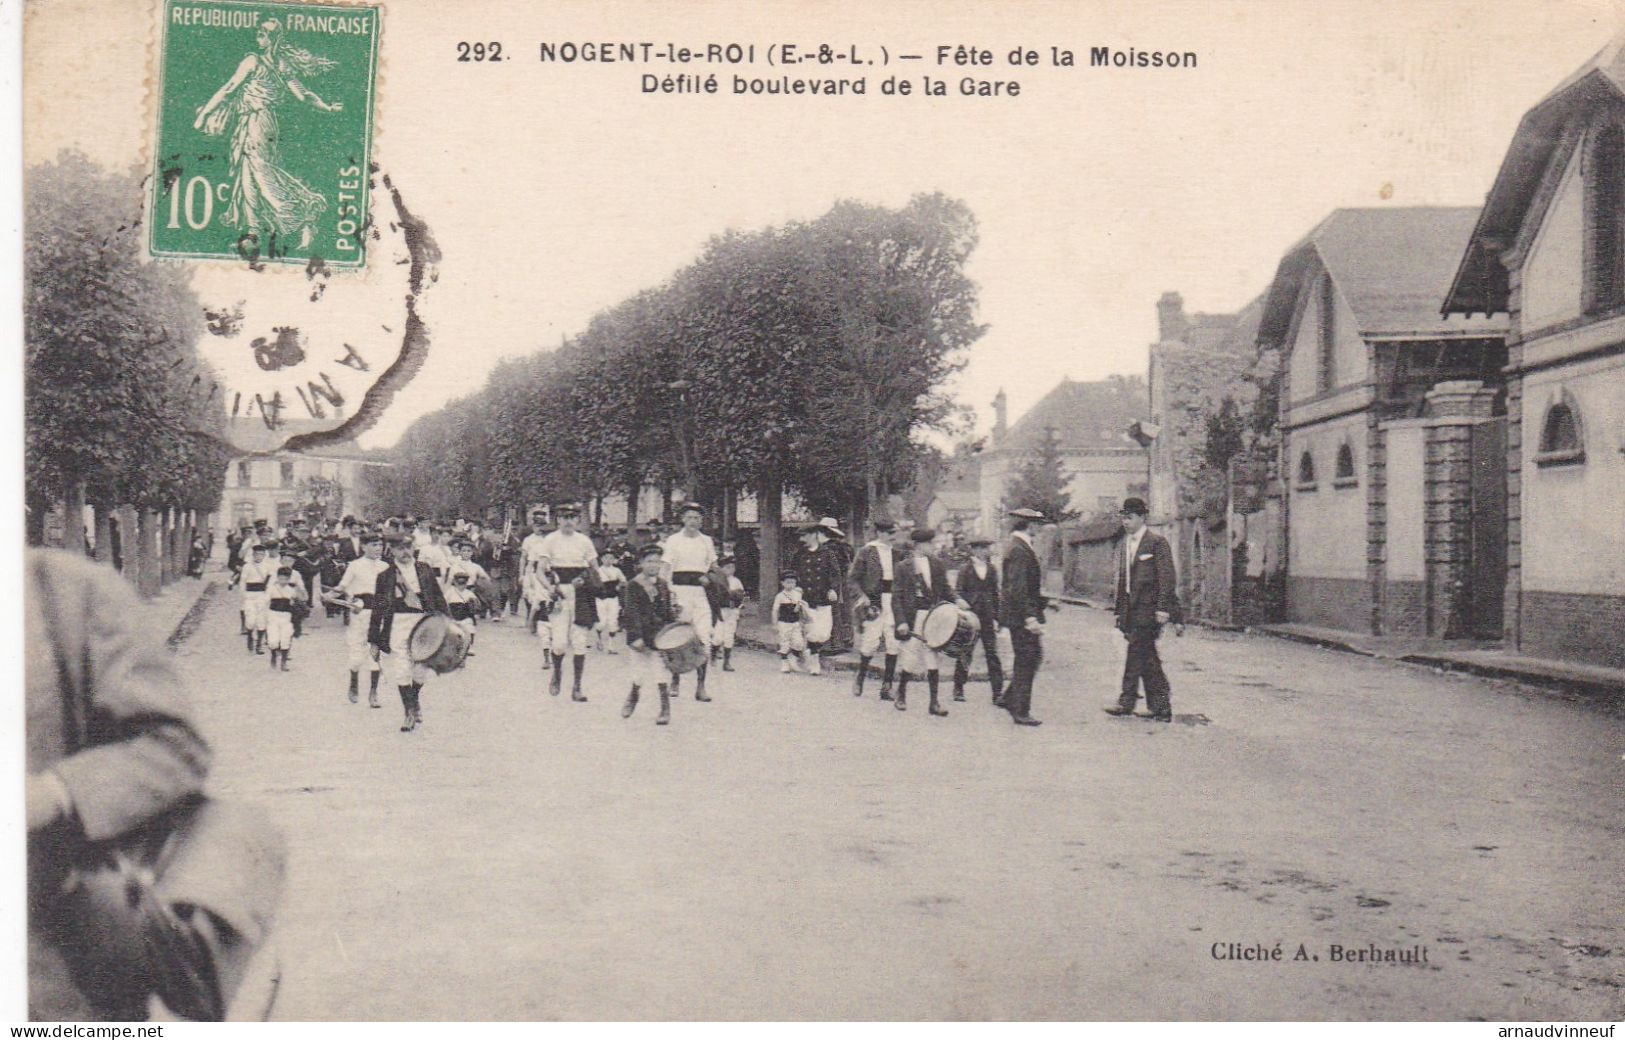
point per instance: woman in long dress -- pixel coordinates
(264, 195)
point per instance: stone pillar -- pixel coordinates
(1453, 409)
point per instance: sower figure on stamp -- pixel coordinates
(355, 591)
(1147, 599)
(873, 580)
(820, 575)
(647, 606)
(1023, 614)
(922, 584)
(568, 561)
(689, 556)
(978, 588)
(406, 590)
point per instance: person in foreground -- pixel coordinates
(1147, 599)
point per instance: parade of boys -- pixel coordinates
(412, 594)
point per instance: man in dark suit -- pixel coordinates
(978, 587)
(1023, 614)
(922, 585)
(350, 547)
(1147, 599)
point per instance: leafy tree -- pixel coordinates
(1040, 482)
(120, 407)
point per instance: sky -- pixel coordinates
(555, 191)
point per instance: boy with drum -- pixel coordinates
(405, 591)
(922, 581)
(647, 606)
(690, 554)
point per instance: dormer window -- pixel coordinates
(1605, 219)
(1562, 438)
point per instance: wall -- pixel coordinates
(1552, 274)
(1573, 519)
(1349, 350)
(1404, 606)
(1327, 582)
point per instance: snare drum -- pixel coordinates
(679, 644)
(437, 643)
(950, 630)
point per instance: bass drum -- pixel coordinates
(679, 644)
(438, 644)
(950, 630)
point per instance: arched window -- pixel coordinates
(1343, 474)
(1562, 437)
(1306, 472)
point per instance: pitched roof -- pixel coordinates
(1392, 265)
(1085, 416)
(1480, 282)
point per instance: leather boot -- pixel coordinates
(285, 654)
(857, 680)
(665, 706)
(372, 692)
(727, 659)
(355, 687)
(902, 692)
(417, 702)
(580, 665)
(410, 722)
(631, 704)
(886, 676)
(931, 681)
(259, 641)
(250, 638)
(273, 660)
(699, 684)
(556, 684)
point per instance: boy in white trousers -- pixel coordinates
(790, 619)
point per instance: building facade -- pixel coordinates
(1380, 398)
(276, 485)
(1548, 252)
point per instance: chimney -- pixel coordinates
(1001, 409)
(1171, 323)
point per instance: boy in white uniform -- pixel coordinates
(728, 628)
(356, 589)
(465, 577)
(790, 621)
(280, 601)
(689, 555)
(610, 577)
(256, 579)
(566, 559)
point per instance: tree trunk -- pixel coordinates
(129, 554)
(730, 513)
(104, 533)
(34, 522)
(665, 500)
(73, 519)
(770, 518)
(147, 580)
(632, 492)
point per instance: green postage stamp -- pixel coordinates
(264, 132)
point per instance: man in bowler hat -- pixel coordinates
(1147, 599)
(1023, 604)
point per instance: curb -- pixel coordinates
(193, 616)
(1320, 641)
(1603, 688)
(840, 663)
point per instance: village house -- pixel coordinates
(1548, 251)
(1089, 422)
(1389, 429)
